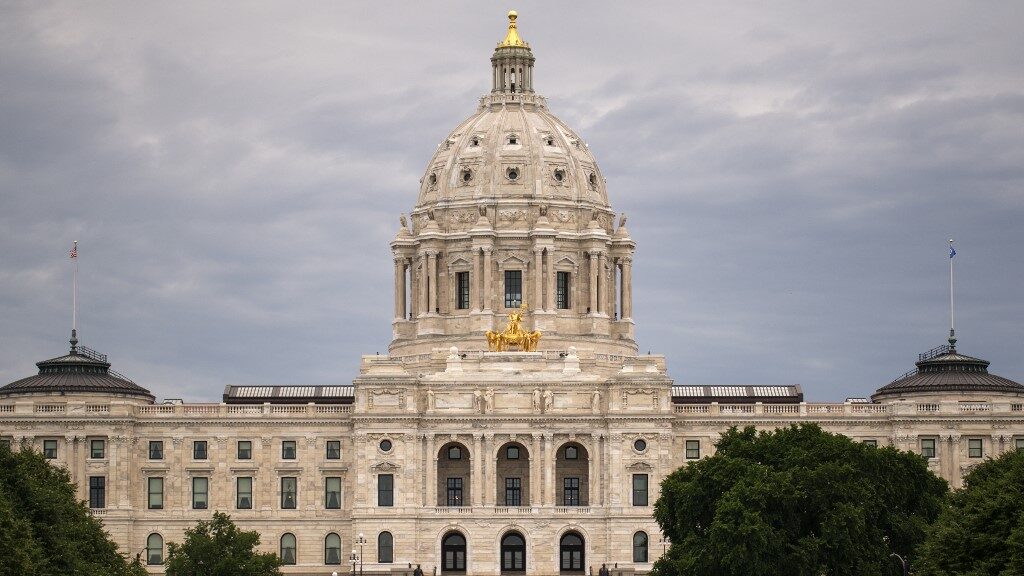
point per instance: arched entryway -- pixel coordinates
(453, 553)
(513, 475)
(572, 475)
(513, 553)
(571, 554)
(453, 475)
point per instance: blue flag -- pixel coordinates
(952, 252)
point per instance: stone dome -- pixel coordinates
(944, 371)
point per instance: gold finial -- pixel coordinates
(512, 39)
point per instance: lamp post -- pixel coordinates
(664, 545)
(361, 540)
(903, 563)
(353, 558)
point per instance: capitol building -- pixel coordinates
(512, 428)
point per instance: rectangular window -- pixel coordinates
(332, 493)
(513, 491)
(513, 288)
(245, 449)
(200, 493)
(97, 492)
(974, 449)
(571, 492)
(455, 491)
(462, 296)
(156, 493)
(97, 449)
(639, 489)
(1019, 443)
(692, 449)
(385, 490)
(289, 493)
(243, 493)
(49, 449)
(872, 443)
(334, 449)
(288, 450)
(928, 447)
(199, 450)
(562, 291)
(156, 450)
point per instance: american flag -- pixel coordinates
(74, 251)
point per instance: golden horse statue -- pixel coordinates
(513, 336)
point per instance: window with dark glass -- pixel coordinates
(49, 449)
(454, 453)
(385, 490)
(154, 550)
(512, 453)
(243, 493)
(334, 449)
(571, 553)
(156, 493)
(639, 489)
(385, 548)
(332, 549)
(288, 550)
(200, 493)
(562, 291)
(97, 492)
(640, 547)
(245, 449)
(974, 448)
(513, 553)
(332, 492)
(453, 553)
(872, 443)
(928, 447)
(1019, 443)
(289, 493)
(386, 445)
(199, 450)
(454, 491)
(571, 492)
(97, 448)
(513, 491)
(156, 449)
(640, 445)
(572, 453)
(692, 449)
(462, 294)
(513, 288)
(288, 450)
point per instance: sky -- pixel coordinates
(234, 172)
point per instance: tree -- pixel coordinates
(218, 548)
(44, 530)
(796, 501)
(981, 531)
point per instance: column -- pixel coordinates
(474, 284)
(431, 471)
(627, 288)
(597, 496)
(593, 283)
(602, 284)
(421, 287)
(488, 291)
(549, 470)
(487, 479)
(423, 469)
(536, 471)
(476, 483)
(550, 303)
(538, 281)
(431, 282)
(400, 289)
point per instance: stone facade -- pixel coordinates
(443, 441)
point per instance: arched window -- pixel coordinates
(571, 553)
(332, 549)
(288, 549)
(385, 548)
(154, 549)
(640, 547)
(453, 553)
(513, 553)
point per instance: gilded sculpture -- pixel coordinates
(513, 337)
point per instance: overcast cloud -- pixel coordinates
(234, 173)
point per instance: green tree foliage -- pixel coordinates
(44, 530)
(981, 532)
(795, 502)
(219, 548)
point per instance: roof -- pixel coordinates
(789, 394)
(288, 394)
(82, 370)
(943, 369)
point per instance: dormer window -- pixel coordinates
(559, 175)
(593, 180)
(512, 174)
(550, 141)
(466, 175)
(432, 180)
(474, 142)
(513, 140)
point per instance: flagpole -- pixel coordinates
(74, 298)
(952, 324)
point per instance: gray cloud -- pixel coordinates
(234, 173)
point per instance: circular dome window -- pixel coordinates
(474, 142)
(559, 175)
(467, 175)
(512, 174)
(593, 180)
(551, 141)
(640, 445)
(433, 179)
(385, 445)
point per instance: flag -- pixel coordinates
(952, 252)
(74, 251)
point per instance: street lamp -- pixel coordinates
(353, 558)
(903, 563)
(361, 540)
(664, 544)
